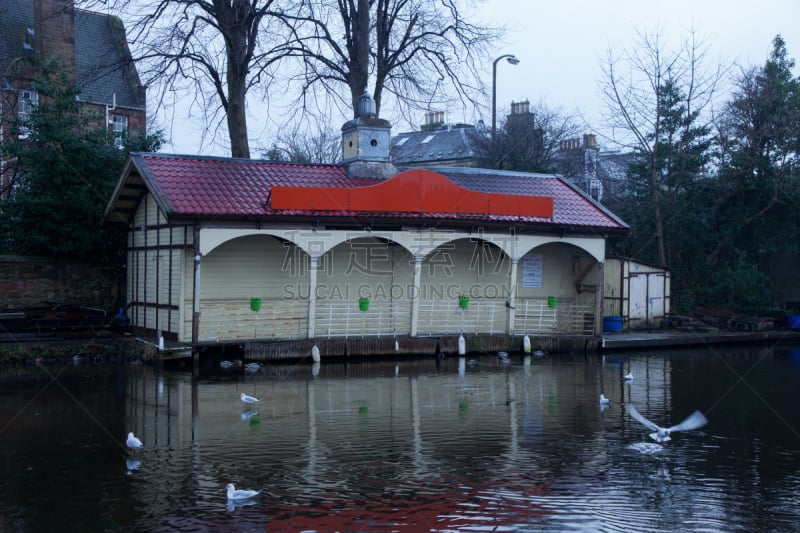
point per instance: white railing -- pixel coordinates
(437, 317)
(535, 316)
(233, 319)
(346, 319)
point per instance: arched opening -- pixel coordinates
(364, 288)
(464, 286)
(557, 291)
(254, 287)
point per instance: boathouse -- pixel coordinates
(238, 251)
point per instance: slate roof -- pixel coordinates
(212, 187)
(103, 60)
(449, 144)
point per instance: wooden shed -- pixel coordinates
(227, 250)
(636, 295)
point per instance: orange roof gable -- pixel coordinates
(412, 191)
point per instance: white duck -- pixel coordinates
(250, 400)
(239, 494)
(693, 421)
(133, 442)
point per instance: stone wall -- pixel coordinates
(29, 280)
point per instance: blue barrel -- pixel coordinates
(793, 321)
(612, 323)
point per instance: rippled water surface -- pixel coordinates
(407, 445)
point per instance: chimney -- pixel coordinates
(433, 120)
(366, 141)
(54, 32)
(520, 108)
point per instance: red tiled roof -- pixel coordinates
(222, 187)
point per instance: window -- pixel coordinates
(28, 100)
(120, 129)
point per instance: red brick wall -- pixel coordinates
(28, 280)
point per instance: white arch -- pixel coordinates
(316, 242)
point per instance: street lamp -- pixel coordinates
(511, 58)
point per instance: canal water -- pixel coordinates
(472, 444)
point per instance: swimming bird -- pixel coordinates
(238, 494)
(628, 377)
(472, 363)
(693, 421)
(252, 367)
(133, 442)
(226, 364)
(604, 400)
(538, 353)
(248, 399)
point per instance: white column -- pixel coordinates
(415, 293)
(512, 296)
(600, 296)
(312, 295)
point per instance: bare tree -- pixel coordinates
(229, 46)
(529, 139)
(410, 49)
(655, 99)
(323, 147)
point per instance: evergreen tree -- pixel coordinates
(65, 172)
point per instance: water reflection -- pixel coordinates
(437, 445)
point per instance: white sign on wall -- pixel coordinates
(532, 271)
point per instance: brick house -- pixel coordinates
(92, 46)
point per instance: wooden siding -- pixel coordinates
(233, 320)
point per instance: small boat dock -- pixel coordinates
(673, 338)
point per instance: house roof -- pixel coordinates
(211, 187)
(103, 62)
(447, 144)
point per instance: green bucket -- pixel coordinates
(363, 304)
(463, 302)
(552, 302)
(255, 304)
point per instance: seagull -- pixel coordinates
(248, 399)
(604, 400)
(628, 377)
(226, 364)
(133, 442)
(472, 363)
(693, 421)
(252, 367)
(538, 353)
(236, 494)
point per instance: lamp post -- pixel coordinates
(511, 58)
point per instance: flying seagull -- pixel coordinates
(248, 399)
(604, 400)
(693, 421)
(237, 494)
(133, 442)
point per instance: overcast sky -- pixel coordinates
(561, 45)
